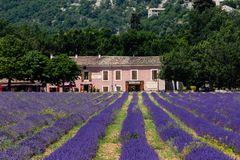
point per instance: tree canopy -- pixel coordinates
(61, 69)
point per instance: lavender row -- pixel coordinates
(225, 107)
(25, 127)
(24, 119)
(84, 144)
(102, 97)
(134, 143)
(220, 111)
(201, 126)
(166, 127)
(14, 107)
(38, 142)
(226, 104)
(204, 111)
(168, 130)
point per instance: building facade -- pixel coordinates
(21, 86)
(115, 73)
(154, 11)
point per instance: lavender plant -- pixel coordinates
(201, 126)
(169, 130)
(134, 143)
(84, 144)
(38, 142)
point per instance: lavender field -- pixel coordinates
(125, 126)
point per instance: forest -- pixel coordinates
(73, 14)
(202, 47)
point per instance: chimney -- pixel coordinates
(76, 56)
(99, 56)
(51, 56)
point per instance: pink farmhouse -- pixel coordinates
(116, 73)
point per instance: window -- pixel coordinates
(154, 74)
(52, 89)
(119, 88)
(134, 74)
(105, 89)
(118, 75)
(105, 75)
(66, 89)
(85, 75)
(76, 89)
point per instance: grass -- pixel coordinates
(210, 141)
(6, 143)
(109, 148)
(164, 150)
(49, 110)
(103, 99)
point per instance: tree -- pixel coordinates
(3, 25)
(61, 69)
(203, 25)
(202, 5)
(135, 21)
(176, 66)
(11, 49)
(33, 64)
(133, 42)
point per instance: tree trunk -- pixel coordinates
(188, 86)
(9, 84)
(63, 86)
(210, 86)
(175, 85)
(197, 88)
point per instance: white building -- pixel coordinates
(154, 11)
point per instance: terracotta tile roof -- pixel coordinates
(117, 61)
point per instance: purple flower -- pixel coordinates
(135, 146)
(84, 144)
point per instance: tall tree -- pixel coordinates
(33, 64)
(135, 21)
(177, 66)
(202, 5)
(61, 69)
(11, 49)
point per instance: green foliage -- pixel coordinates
(33, 65)
(135, 21)
(212, 53)
(173, 21)
(61, 69)
(5, 143)
(11, 48)
(204, 25)
(202, 5)
(17, 62)
(232, 3)
(57, 115)
(63, 14)
(176, 66)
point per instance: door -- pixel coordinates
(127, 84)
(86, 88)
(142, 86)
